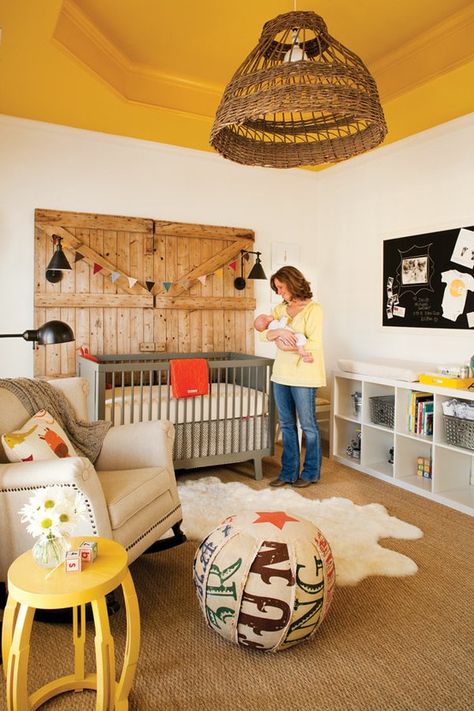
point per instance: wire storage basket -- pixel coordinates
(459, 431)
(382, 410)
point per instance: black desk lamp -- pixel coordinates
(49, 333)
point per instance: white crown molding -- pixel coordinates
(136, 82)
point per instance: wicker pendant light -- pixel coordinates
(300, 98)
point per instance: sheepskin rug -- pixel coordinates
(353, 531)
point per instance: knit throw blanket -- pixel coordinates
(35, 395)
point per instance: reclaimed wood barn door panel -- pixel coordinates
(141, 285)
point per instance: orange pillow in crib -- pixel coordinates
(189, 377)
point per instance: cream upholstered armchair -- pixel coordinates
(131, 491)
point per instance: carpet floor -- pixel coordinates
(387, 643)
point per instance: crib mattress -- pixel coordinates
(133, 404)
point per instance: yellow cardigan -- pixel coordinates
(289, 368)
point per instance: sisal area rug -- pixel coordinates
(353, 531)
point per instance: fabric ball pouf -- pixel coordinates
(264, 579)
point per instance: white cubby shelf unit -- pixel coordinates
(452, 467)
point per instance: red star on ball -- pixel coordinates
(278, 518)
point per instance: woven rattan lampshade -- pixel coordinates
(300, 98)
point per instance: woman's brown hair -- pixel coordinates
(295, 282)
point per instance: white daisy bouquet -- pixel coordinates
(52, 515)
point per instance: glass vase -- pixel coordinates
(50, 551)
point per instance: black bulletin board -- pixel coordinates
(428, 280)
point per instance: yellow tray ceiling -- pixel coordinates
(156, 69)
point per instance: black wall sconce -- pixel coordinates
(49, 333)
(58, 262)
(255, 273)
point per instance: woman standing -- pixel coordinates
(295, 380)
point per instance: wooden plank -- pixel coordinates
(82, 328)
(249, 344)
(207, 303)
(217, 315)
(207, 324)
(90, 221)
(96, 244)
(68, 353)
(183, 267)
(93, 257)
(53, 352)
(110, 253)
(68, 315)
(96, 329)
(39, 360)
(172, 326)
(219, 259)
(195, 290)
(136, 330)
(230, 334)
(188, 229)
(110, 331)
(148, 332)
(123, 330)
(67, 300)
(40, 261)
(159, 317)
(81, 268)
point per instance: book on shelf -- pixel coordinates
(415, 410)
(427, 418)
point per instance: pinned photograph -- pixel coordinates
(415, 270)
(463, 252)
(399, 311)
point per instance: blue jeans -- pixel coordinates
(294, 401)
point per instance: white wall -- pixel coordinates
(339, 217)
(421, 184)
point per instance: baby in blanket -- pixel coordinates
(266, 321)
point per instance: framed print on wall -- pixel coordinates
(428, 280)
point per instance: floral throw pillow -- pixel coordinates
(41, 437)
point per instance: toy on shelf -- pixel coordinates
(391, 453)
(353, 449)
(423, 467)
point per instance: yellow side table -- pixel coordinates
(30, 587)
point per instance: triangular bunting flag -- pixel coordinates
(77, 257)
(97, 268)
(202, 279)
(167, 285)
(233, 265)
(150, 285)
(131, 282)
(185, 283)
(115, 276)
(219, 273)
(246, 256)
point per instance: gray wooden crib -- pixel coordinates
(235, 422)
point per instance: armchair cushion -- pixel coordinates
(130, 490)
(41, 437)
